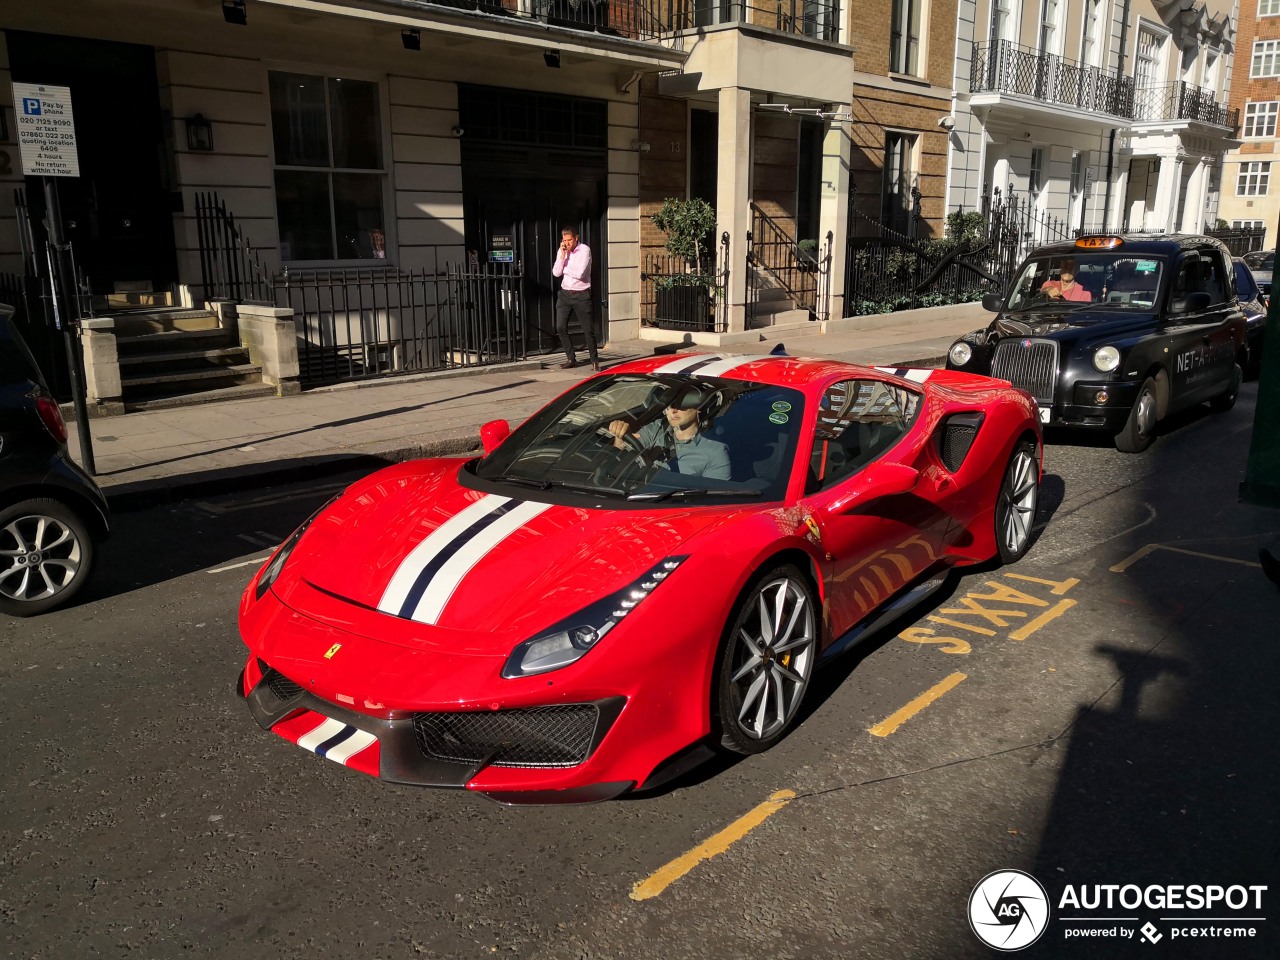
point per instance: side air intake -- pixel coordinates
(956, 438)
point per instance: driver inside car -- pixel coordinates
(677, 439)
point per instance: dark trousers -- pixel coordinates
(578, 304)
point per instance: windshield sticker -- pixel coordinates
(778, 418)
(1146, 266)
(781, 406)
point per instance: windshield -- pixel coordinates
(1262, 260)
(1117, 279)
(1246, 287)
(645, 438)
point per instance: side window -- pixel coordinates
(857, 421)
(1189, 278)
(1214, 280)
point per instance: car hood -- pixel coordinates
(1064, 324)
(415, 544)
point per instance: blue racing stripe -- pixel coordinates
(346, 733)
(440, 559)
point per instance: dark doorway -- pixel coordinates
(117, 213)
(704, 154)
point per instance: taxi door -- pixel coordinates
(1201, 334)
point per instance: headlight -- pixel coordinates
(960, 353)
(272, 570)
(569, 640)
(1106, 359)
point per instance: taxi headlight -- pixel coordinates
(1106, 359)
(960, 353)
(569, 640)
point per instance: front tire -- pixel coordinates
(767, 659)
(1227, 399)
(1140, 429)
(1016, 503)
(46, 554)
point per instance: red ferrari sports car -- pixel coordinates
(650, 567)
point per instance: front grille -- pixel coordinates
(282, 686)
(1030, 365)
(558, 736)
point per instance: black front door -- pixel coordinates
(117, 213)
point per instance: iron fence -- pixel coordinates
(1183, 101)
(681, 294)
(775, 259)
(1007, 67)
(1240, 240)
(229, 268)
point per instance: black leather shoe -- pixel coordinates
(595, 365)
(568, 365)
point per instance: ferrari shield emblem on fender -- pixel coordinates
(812, 524)
(329, 654)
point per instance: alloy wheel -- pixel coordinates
(1018, 501)
(39, 557)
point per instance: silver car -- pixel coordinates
(1261, 263)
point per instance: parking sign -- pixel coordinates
(46, 130)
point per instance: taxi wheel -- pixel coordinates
(1140, 429)
(766, 660)
(1227, 399)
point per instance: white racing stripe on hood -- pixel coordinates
(406, 575)
(723, 367)
(446, 580)
(684, 363)
(914, 374)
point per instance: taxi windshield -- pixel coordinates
(644, 438)
(1120, 280)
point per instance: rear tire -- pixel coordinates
(1016, 503)
(1227, 399)
(1139, 430)
(46, 554)
(766, 660)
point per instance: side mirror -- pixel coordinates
(1191, 303)
(992, 302)
(877, 481)
(492, 434)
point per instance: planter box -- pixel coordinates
(684, 308)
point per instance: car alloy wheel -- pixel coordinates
(767, 660)
(1016, 503)
(45, 556)
(1140, 428)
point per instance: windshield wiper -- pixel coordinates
(560, 484)
(688, 493)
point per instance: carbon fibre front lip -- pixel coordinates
(400, 758)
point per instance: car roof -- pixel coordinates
(778, 370)
(1165, 243)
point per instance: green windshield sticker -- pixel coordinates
(1146, 266)
(778, 418)
(781, 406)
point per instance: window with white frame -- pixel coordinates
(1079, 172)
(1001, 20)
(904, 37)
(1036, 181)
(1091, 33)
(1266, 59)
(1268, 8)
(329, 167)
(899, 176)
(1247, 224)
(1254, 179)
(1260, 119)
(1048, 26)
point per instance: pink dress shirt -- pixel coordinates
(575, 268)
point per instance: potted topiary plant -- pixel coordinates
(684, 299)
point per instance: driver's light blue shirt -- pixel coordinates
(697, 457)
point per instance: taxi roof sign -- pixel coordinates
(1098, 243)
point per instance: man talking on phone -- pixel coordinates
(573, 266)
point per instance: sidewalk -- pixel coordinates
(158, 455)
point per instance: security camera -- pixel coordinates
(947, 122)
(456, 131)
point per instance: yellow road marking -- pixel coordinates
(898, 718)
(1150, 548)
(1059, 586)
(963, 626)
(658, 881)
(1057, 610)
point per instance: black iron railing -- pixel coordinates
(681, 294)
(774, 258)
(659, 19)
(1007, 67)
(1240, 240)
(1183, 101)
(229, 267)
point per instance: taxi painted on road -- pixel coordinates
(1115, 332)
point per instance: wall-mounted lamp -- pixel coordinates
(551, 58)
(640, 146)
(199, 133)
(412, 39)
(233, 11)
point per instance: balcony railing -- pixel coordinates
(658, 19)
(1006, 67)
(1182, 101)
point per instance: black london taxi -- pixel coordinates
(1112, 333)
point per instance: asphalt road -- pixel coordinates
(1102, 713)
